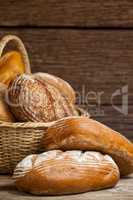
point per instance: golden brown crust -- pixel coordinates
(11, 65)
(57, 172)
(32, 100)
(87, 134)
(59, 83)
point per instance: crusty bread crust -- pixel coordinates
(83, 133)
(56, 172)
(59, 83)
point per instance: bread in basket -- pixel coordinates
(19, 139)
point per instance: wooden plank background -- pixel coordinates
(82, 13)
(88, 43)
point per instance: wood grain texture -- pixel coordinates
(92, 61)
(101, 13)
(122, 191)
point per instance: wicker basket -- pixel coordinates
(18, 140)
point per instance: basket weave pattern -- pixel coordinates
(17, 140)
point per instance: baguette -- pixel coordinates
(82, 133)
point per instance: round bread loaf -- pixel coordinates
(86, 134)
(56, 172)
(37, 101)
(64, 87)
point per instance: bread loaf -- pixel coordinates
(83, 133)
(11, 65)
(56, 172)
(63, 86)
(32, 100)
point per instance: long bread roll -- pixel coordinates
(82, 133)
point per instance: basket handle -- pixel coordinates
(21, 48)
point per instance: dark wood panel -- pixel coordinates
(67, 13)
(92, 61)
(122, 191)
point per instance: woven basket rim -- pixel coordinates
(24, 124)
(32, 125)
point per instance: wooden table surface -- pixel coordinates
(123, 191)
